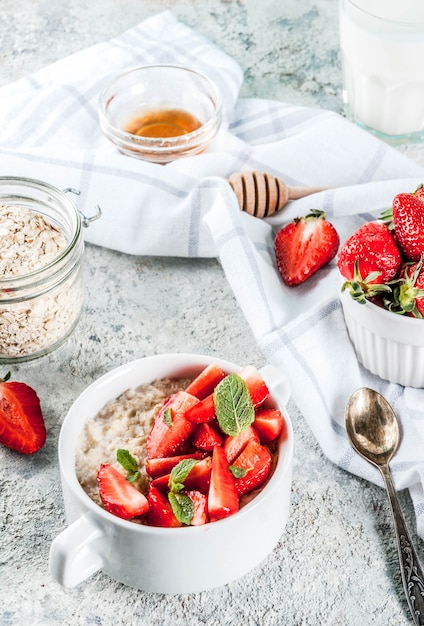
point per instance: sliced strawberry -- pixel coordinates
(206, 381)
(234, 445)
(255, 383)
(204, 411)
(161, 483)
(160, 512)
(171, 429)
(303, 246)
(163, 465)
(257, 460)
(22, 425)
(200, 502)
(269, 424)
(198, 478)
(118, 495)
(206, 436)
(222, 499)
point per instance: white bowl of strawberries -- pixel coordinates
(197, 496)
(382, 270)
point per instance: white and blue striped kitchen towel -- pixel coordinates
(50, 131)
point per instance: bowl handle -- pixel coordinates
(74, 554)
(276, 381)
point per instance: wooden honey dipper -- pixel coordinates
(261, 194)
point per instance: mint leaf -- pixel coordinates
(233, 405)
(129, 463)
(179, 473)
(167, 416)
(238, 472)
(182, 507)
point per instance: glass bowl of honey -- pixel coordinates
(160, 112)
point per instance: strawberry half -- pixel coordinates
(222, 498)
(303, 246)
(22, 425)
(171, 428)
(118, 495)
(257, 460)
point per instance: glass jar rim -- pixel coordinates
(60, 199)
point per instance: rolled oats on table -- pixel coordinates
(29, 243)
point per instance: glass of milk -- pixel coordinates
(382, 45)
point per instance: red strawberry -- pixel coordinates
(171, 429)
(200, 502)
(409, 295)
(408, 220)
(118, 495)
(255, 383)
(163, 465)
(204, 411)
(222, 498)
(160, 512)
(305, 245)
(269, 424)
(234, 445)
(22, 425)
(206, 381)
(198, 478)
(257, 460)
(368, 259)
(206, 436)
(419, 192)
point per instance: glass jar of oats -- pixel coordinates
(41, 250)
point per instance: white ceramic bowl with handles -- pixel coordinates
(165, 560)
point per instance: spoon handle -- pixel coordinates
(412, 573)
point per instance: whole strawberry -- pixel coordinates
(368, 260)
(408, 294)
(408, 222)
(305, 245)
(21, 421)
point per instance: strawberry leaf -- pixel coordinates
(179, 473)
(233, 405)
(182, 507)
(129, 463)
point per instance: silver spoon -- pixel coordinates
(373, 430)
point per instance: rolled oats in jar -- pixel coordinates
(41, 249)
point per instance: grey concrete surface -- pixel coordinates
(336, 563)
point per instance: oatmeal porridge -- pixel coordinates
(124, 422)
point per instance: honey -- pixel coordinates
(163, 123)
